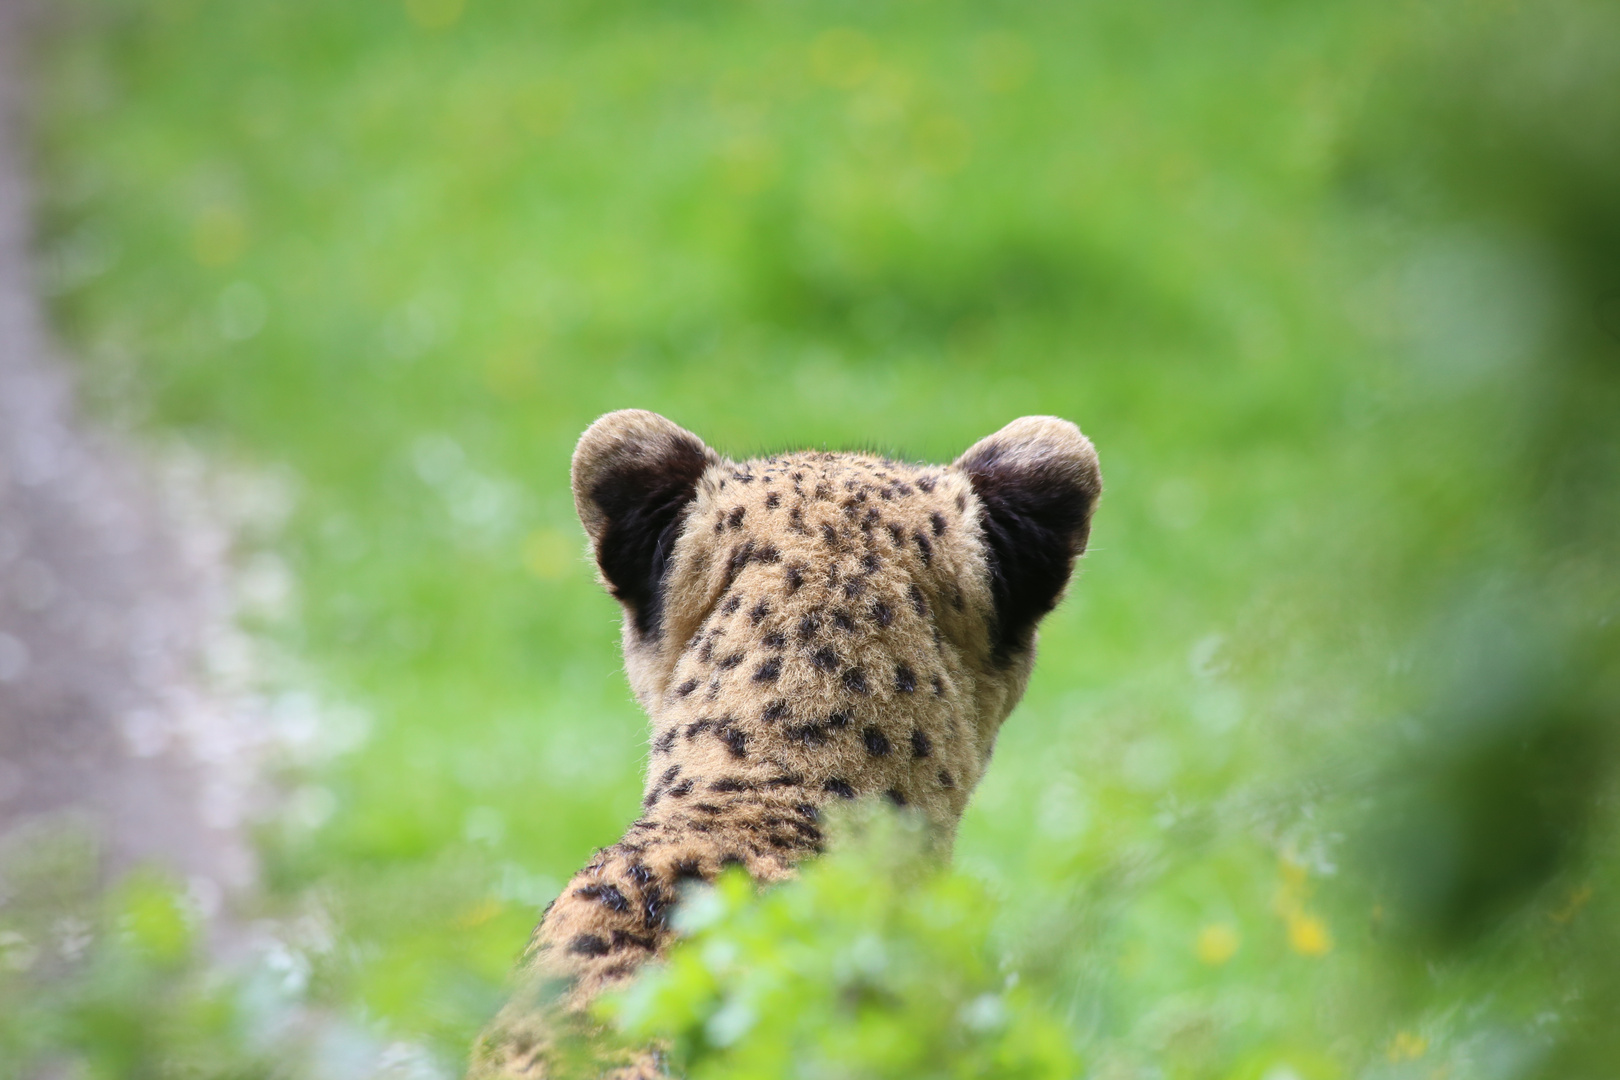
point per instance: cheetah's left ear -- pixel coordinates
(634, 475)
(1037, 481)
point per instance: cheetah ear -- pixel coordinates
(634, 474)
(1037, 481)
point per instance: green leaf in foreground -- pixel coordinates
(875, 963)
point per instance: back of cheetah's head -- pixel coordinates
(840, 622)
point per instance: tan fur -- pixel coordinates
(825, 635)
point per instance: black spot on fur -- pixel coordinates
(839, 788)
(785, 780)
(774, 640)
(795, 578)
(897, 534)
(853, 588)
(936, 521)
(730, 783)
(731, 605)
(825, 658)
(739, 559)
(925, 547)
(767, 554)
(905, 680)
(688, 870)
(1035, 522)
(926, 483)
(896, 796)
(917, 600)
(758, 613)
(809, 625)
(642, 502)
(609, 897)
(736, 740)
(939, 686)
(589, 945)
(809, 734)
(735, 518)
(839, 719)
(680, 790)
(624, 938)
(829, 535)
(639, 874)
(855, 681)
(669, 775)
(769, 670)
(877, 743)
(698, 727)
(806, 810)
(773, 500)
(882, 613)
(732, 661)
(842, 621)
(921, 747)
(686, 687)
(654, 907)
(945, 780)
(776, 710)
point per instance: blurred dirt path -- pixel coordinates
(115, 607)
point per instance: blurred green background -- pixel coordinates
(1316, 775)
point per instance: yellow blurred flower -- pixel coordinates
(1572, 907)
(1406, 1046)
(1308, 935)
(479, 913)
(1217, 943)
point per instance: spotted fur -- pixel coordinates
(802, 629)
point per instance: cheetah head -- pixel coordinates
(858, 624)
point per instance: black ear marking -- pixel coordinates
(635, 475)
(1037, 482)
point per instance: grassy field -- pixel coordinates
(1333, 311)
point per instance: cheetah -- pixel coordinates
(802, 629)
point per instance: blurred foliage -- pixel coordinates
(1316, 776)
(874, 964)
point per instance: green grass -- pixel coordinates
(1250, 248)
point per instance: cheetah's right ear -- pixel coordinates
(1037, 481)
(634, 474)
